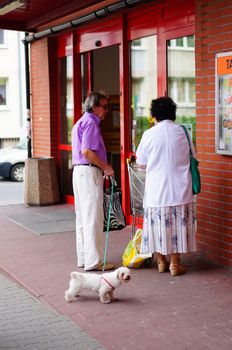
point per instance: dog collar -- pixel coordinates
(108, 283)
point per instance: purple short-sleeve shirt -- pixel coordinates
(86, 134)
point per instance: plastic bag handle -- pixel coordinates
(136, 236)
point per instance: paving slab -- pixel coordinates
(153, 311)
(27, 323)
(46, 223)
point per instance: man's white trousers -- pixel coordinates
(88, 194)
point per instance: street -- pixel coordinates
(11, 192)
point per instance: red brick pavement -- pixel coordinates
(154, 311)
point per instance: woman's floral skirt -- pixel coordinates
(169, 230)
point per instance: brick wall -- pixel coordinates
(41, 128)
(44, 98)
(54, 104)
(214, 204)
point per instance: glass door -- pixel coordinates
(181, 83)
(162, 64)
(100, 73)
(65, 125)
(156, 71)
(181, 80)
(143, 83)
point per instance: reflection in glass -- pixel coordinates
(3, 91)
(66, 98)
(84, 77)
(1, 36)
(181, 80)
(143, 53)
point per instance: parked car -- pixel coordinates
(12, 161)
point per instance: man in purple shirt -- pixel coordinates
(90, 163)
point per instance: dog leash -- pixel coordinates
(112, 287)
(108, 221)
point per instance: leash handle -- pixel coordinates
(113, 182)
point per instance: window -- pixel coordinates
(3, 82)
(181, 79)
(180, 42)
(136, 43)
(186, 42)
(1, 36)
(66, 89)
(84, 77)
(143, 82)
(182, 90)
(190, 41)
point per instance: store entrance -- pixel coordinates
(100, 73)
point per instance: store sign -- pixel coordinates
(224, 103)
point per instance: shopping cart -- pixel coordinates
(137, 183)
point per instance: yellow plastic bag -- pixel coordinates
(132, 257)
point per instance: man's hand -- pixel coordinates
(93, 158)
(108, 171)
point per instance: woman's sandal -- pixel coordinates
(177, 270)
(162, 265)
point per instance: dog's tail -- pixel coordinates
(74, 274)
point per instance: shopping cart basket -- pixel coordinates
(137, 183)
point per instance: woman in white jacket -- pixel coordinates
(169, 220)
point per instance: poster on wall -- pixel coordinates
(224, 103)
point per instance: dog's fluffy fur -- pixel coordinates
(103, 284)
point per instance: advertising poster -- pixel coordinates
(224, 103)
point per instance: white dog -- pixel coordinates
(103, 284)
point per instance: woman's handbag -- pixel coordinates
(196, 178)
(117, 218)
(132, 257)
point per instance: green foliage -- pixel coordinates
(142, 124)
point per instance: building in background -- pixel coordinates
(12, 88)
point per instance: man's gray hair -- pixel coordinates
(93, 100)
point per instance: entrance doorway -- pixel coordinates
(131, 69)
(100, 73)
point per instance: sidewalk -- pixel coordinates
(26, 323)
(154, 311)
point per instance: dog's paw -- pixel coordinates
(67, 297)
(105, 301)
(68, 300)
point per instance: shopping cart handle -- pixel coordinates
(131, 159)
